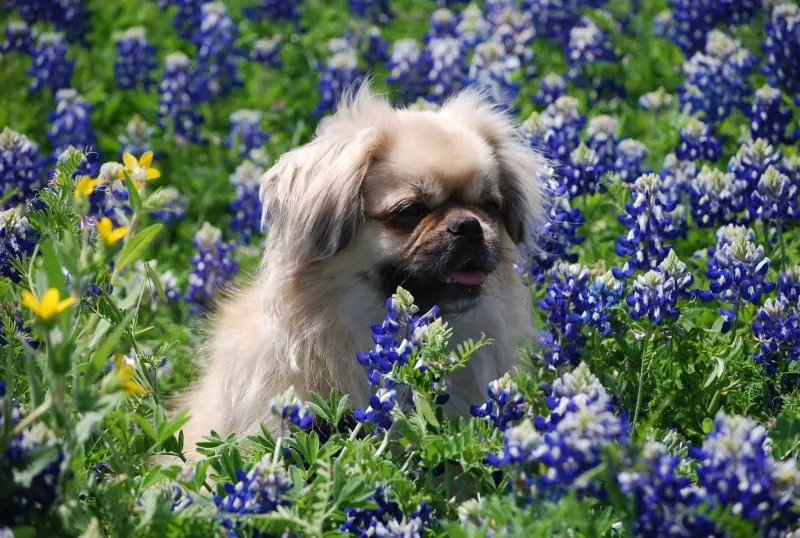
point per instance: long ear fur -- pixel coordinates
(523, 169)
(312, 195)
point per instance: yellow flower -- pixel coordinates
(140, 170)
(86, 186)
(109, 234)
(125, 375)
(50, 306)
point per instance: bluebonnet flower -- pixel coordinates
(20, 37)
(581, 173)
(246, 132)
(187, 16)
(782, 47)
(448, 71)
(557, 235)
(715, 81)
(564, 304)
(387, 518)
(17, 326)
(691, 21)
(396, 338)
(217, 55)
(137, 136)
(629, 159)
(492, 69)
(51, 67)
(505, 406)
(602, 137)
(178, 100)
(588, 45)
(768, 118)
(68, 16)
(17, 241)
(376, 47)
(180, 499)
(737, 472)
(514, 29)
(775, 198)
(71, 123)
(341, 72)
(789, 284)
(554, 456)
(676, 176)
(135, 60)
(212, 267)
(473, 28)
(716, 197)
(651, 220)
(777, 330)
(557, 131)
(379, 411)
(737, 273)
(554, 19)
(33, 501)
(551, 87)
(665, 497)
(275, 10)
(267, 52)
(287, 408)
(110, 199)
(20, 167)
(379, 11)
(247, 208)
(443, 24)
(656, 293)
(656, 101)
(259, 491)
(603, 293)
(409, 66)
(697, 142)
(751, 161)
(170, 205)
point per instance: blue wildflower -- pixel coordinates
(656, 293)
(212, 267)
(71, 123)
(564, 303)
(775, 198)
(601, 136)
(656, 101)
(676, 176)
(557, 131)
(409, 66)
(275, 10)
(376, 47)
(379, 411)
(246, 132)
(505, 406)
(782, 47)
(588, 45)
(443, 24)
(179, 95)
(68, 16)
(473, 28)
(187, 16)
(751, 161)
(387, 518)
(17, 242)
(110, 199)
(267, 52)
(287, 408)
(448, 71)
(554, 19)
(170, 205)
(51, 67)
(135, 60)
(20, 168)
(20, 37)
(691, 21)
(789, 284)
(581, 173)
(651, 220)
(341, 72)
(737, 472)
(697, 142)
(247, 208)
(217, 55)
(777, 330)
(492, 70)
(769, 119)
(716, 197)
(629, 159)
(514, 29)
(602, 295)
(137, 136)
(379, 11)
(551, 87)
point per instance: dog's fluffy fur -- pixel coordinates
(330, 204)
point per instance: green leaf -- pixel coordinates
(55, 276)
(146, 426)
(102, 353)
(708, 425)
(424, 407)
(719, 368)
(168, 429)
(156, 281)
(133, 193)
(136, 245)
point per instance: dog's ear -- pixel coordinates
(523, 169)
(312, 195)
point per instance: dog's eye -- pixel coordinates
(492, 209)
(409, 214)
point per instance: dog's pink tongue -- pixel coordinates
(469, 278)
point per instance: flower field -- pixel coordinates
(661, 396)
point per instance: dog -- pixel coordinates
(436, 201)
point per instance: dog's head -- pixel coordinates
(432, 201)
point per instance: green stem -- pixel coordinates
(384, 444)
(782, 245)
(31, 417)
(277, 451)
(641, 379)
(586, 219)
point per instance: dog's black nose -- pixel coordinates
(468, 228)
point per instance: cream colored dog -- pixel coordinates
(435, 201)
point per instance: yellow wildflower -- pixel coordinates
(139, 171)
(125, 374)
(86, 186)
(49, 307)
(110, 234)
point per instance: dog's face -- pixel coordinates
(431, 201)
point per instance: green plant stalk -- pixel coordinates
(639, 393)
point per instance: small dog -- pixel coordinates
(435, 201)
